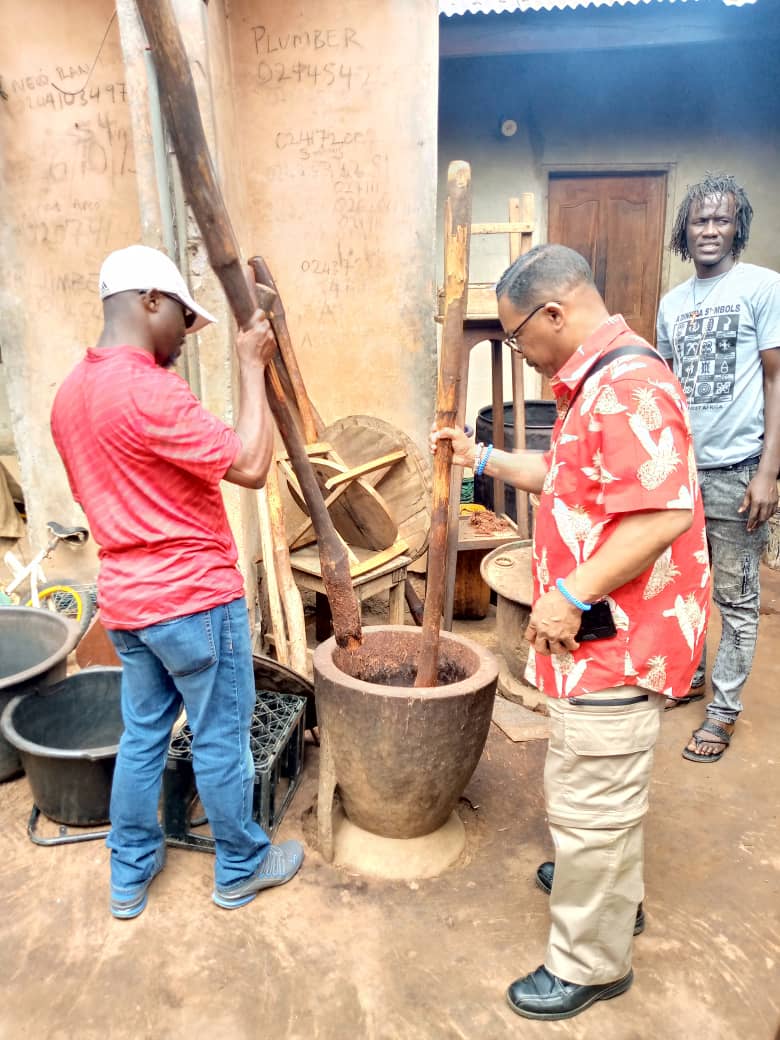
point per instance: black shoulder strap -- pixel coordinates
(608, 358)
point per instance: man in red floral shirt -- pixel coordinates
(620, 532)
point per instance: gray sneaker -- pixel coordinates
(280, 865)
(130, 902)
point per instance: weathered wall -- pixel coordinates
(68, 198)
(698, 108)
(337, 109)
(322, 130)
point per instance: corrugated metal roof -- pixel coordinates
(455, 7)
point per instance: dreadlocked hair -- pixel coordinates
(717, 185)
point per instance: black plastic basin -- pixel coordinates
(539, 421)
(34, 646)
(68, 739)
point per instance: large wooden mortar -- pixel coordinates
(400, 756)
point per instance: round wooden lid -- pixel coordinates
(507, 570)
(404, 487)
(360, 514)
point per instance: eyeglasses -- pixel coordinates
(189, 316)
(511, 339)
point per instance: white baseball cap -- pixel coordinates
(142, 268)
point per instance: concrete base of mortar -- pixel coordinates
(397, 859)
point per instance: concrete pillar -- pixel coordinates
(323, 132)
(338, 107)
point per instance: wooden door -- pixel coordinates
(617, 222)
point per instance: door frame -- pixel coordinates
(615, 169)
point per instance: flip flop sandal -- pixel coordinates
(680, 702)
(721, 735)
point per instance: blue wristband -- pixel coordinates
(483, 461)
(572, 599)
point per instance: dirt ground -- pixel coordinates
(339, 957)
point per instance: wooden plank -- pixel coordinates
(520, 209)
(514, 237)
(379, 559)
(456, 481)
(527, 214)
(470, 538)
(290, 477)
(472, 593)
(306, 525)
(306, 562)
(405, 487)
(518, 413)
(359, 512)
(272, 585)
(289, 593)
(518, 723)
(497, 390)
(481, 302)
(451, 554)
(367, 467)
(318, 448)
(511, 227)
(360, 515)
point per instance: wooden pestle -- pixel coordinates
(457, 236)
(182, 116)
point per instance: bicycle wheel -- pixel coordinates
(68, 600)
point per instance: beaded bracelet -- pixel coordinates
(483, 461)
(478, 449)
(570, 596)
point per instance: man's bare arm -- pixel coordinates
(255, 347)
(525, 470)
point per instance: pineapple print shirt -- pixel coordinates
(624, 447)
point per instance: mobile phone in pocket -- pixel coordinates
(597, 623)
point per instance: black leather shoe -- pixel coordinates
(544, 880)
(543, 995)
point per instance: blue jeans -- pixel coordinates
(205, 661)
(735, 554)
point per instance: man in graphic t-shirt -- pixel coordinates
(720, 332)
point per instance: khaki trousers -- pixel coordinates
(596, 780)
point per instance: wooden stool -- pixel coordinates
(472, 593)
(389, 576)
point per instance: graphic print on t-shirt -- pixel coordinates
(705, 349)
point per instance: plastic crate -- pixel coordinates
(276, 741)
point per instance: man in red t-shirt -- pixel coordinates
(145, 460)
(619, 536)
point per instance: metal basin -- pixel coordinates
(68, 739)
(34, 646)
